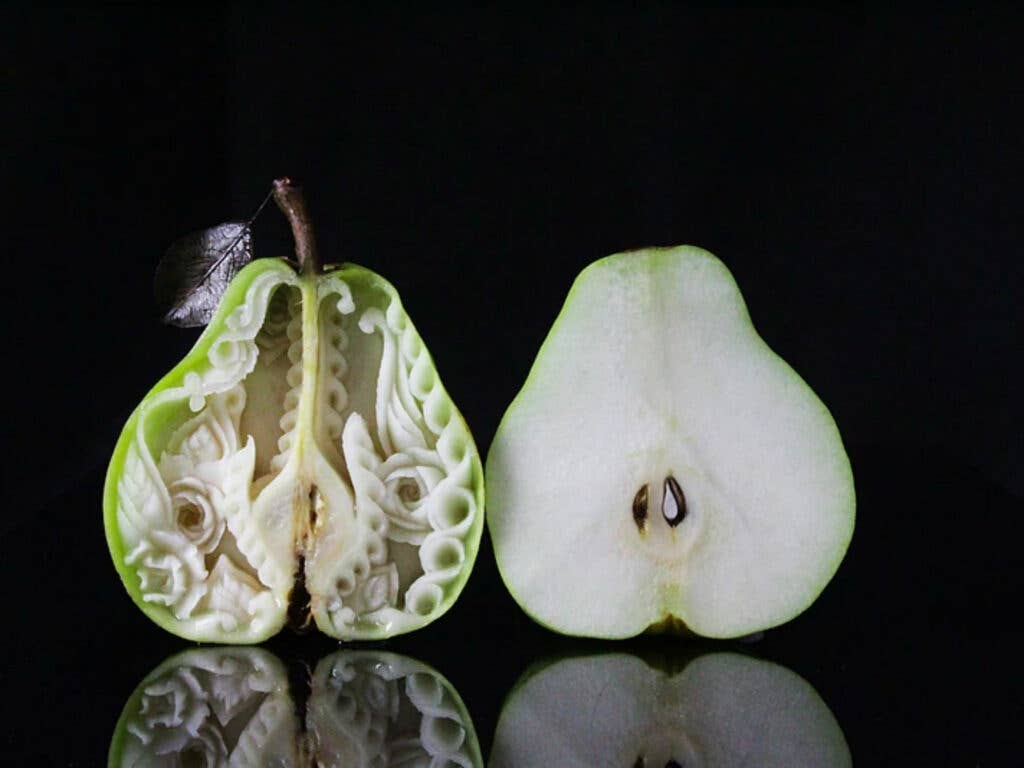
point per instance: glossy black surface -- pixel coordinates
(859, 174)
(912, 646)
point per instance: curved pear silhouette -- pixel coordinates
(661, 467)
(304, 452)
(719, 709)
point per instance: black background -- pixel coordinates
(858, 171)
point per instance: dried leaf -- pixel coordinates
(195, 271)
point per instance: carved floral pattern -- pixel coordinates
(173, 514)
(417, 473)
(231, 707)
(189, 713)
(412, 480)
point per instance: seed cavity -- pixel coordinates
(640, 508)
(673, 503)
(300, 615)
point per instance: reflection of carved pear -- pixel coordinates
(210, 707)
(374, 708)
(306, 439)
(231, 707)
(720, 709)
(662, 468)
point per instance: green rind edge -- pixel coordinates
(195, 357)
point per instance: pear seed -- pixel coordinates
(640, 507)
(673, 503)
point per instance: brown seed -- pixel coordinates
(673, 503)
(640, 507)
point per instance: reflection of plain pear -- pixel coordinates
(231, 707)
(720, 709)
(661, 467)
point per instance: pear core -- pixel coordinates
(305, 440)
(661, 466)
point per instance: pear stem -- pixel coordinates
(292, 202)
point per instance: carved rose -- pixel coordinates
(408, 481)
(194, 468)
(170, 571)
(195, 507)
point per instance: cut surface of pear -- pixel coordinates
(662, 467)
(305, 440)
(720, 709)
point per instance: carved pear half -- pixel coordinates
(304, 453)
(662, 468)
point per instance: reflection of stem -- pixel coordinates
(292, 202)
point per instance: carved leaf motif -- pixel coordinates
(212, 434)
(198, 448)
(143, 502)
(399, 418)
(362, 461)
(231, 592)
(371, 559)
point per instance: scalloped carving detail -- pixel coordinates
(413, 484)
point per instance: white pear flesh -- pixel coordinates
(720, 709)
(653, 370)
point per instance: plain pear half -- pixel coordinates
(662, 467)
